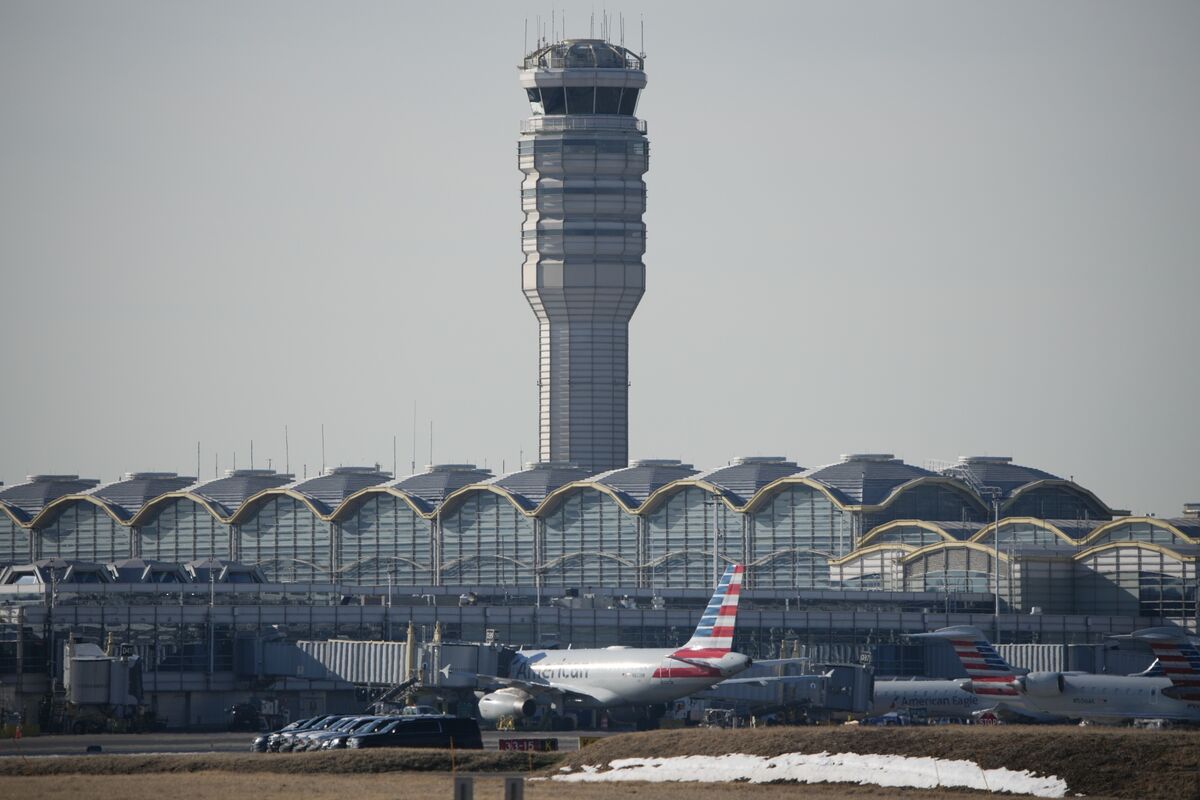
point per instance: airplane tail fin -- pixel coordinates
(1178, 658)
(713, 637)
(990, 674)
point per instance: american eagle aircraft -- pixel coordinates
(1080, 695)
(616, 677)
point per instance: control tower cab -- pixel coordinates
(583, 154)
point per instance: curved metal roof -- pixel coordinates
(997, 471)
(866, 478)
(635, 483)
(328, 490)
(743, 477)
(126, 496)
(238, 485)
(439, 481)
(530, 486)
(28, 498)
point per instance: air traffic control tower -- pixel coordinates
(583, 154)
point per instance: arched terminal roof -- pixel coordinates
(431, 487)
(866, 478)
(530, 486)
(127, 496)
(25, 500)
(997, 471)
(741, 479)
(226, 494)
(632, 485)
(328, 490)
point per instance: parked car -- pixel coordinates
(288, 741)
(337, 741)
(420, 711)
(355, 725)
(262, 741)
(302, 741)
(424, 731)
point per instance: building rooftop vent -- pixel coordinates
(868, 457)
(656, 462)
(451, 468)
(374, 470)
(250, 473)
(761, 460)
(50, 478)
(550, 465)
(1191, 510)
(985, 459)
(149, 476)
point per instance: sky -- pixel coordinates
(931, 229)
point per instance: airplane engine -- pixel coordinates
(506, 703)
(1043, 684)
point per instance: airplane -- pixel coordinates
(943, 699)
(1107, 699)
(619, 677)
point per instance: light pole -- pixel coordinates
(995, 493)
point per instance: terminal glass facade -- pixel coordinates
(287, 541)
(792, 538)
(588, 540)
(14, 542)
(487, 541)
(83, 531)
(183, 530)
(384, 538)
(680, 534)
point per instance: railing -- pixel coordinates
(585, 122)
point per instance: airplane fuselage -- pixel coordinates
(938, 699)
(617, 676)
(1113, 698)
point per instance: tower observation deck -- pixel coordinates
(583, 155)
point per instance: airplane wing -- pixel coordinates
(591, 696)
(768, 679)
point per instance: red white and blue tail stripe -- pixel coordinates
(1178, 659)
(990, 674)
(714, 635)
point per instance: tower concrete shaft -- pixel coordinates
(583, 154)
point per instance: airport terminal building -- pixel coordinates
(584, 546)
(867, 523)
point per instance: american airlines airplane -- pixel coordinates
(1081, 695)
(937, 699)
(614, 677)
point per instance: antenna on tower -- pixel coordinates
(322, 447)
(643, 53)
(525, 43)
(287, 452)
(251, 454)
(553, 24)
(414, 437)
(592, 25)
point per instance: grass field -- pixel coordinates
(1096, 762)
(403, 786)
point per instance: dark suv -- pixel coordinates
(428, 731)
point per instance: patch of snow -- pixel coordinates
(878, 770)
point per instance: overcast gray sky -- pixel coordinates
(931, 229)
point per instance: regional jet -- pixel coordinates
(617, 677)
(1081, 695)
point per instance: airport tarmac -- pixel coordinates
(149, 743)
